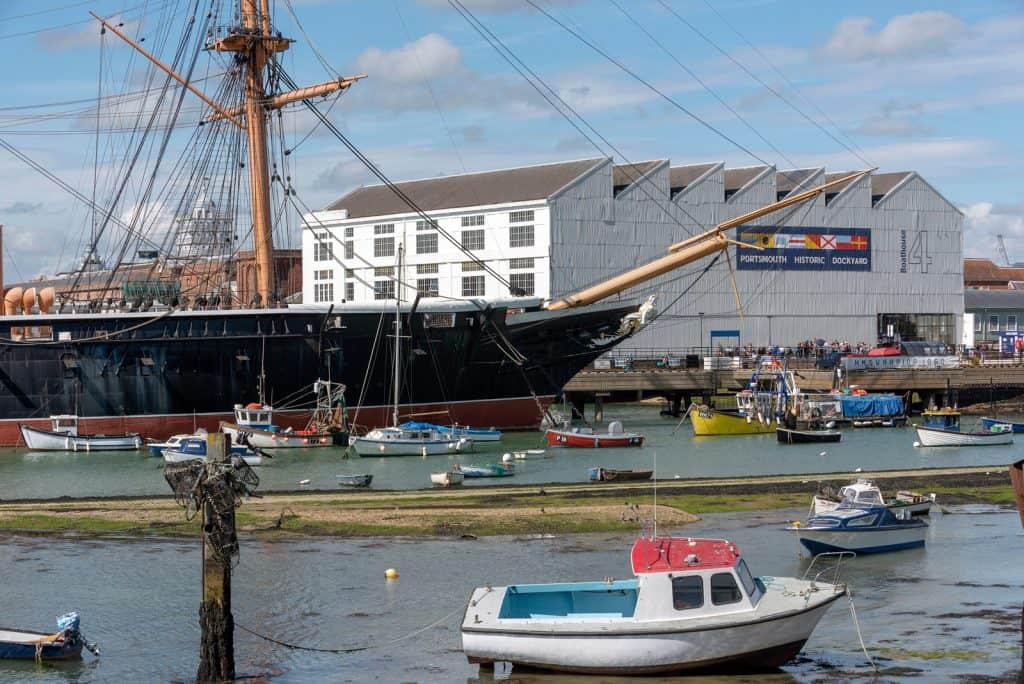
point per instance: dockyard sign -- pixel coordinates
(803, 249)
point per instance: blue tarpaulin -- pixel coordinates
(871, 405)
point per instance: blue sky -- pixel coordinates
(929, 86)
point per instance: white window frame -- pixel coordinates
(383, 247)
(469, 286)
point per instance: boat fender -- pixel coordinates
(391, 574)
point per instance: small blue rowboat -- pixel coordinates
(65, 644)
(990, 422)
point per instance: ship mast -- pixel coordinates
(255, 45)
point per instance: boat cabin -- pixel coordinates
(675, 578)
(862, 493)
(65, 424)
(847, 517)
(942, 419)
(254, 415)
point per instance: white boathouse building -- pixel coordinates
(877, 256)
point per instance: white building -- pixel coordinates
(882, 253)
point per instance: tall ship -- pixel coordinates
(170, 341)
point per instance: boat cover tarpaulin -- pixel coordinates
(871, 405)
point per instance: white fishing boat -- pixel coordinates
(448, 478)
(254, 423)
(866, 493)
(860, 530)
(251, 457)
(692, 605)
(64, 436)
(941, 427)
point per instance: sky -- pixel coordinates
(927, 86)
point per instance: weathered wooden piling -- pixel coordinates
(217, 626)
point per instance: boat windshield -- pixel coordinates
(750, 585)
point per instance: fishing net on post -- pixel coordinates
(220, 485)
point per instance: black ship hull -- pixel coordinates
(171, 372)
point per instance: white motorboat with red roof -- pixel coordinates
(692, 605)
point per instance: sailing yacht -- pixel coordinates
(396, 440)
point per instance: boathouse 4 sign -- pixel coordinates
(803, 249)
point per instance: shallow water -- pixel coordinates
(676, 452)
(933, 614)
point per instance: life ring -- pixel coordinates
(254, 405)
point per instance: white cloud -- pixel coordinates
(904, 35)
(86, 36)
(983, 221)
(432, 56)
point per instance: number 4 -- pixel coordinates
(918, 253)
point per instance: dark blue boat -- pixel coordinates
(861, 529)
(990, 422)
(65, 644)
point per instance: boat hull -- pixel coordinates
(611, 475)
(397, 447)
(932, 437)
(172, 456)
(709, 422)
(46, 440)
(787, 436)
(447, 479)
(265, 439)
(493, 470)
(21, 645)
(362, 480)
(565, 438)
(990, 422)
(754, 645)
(867, 540)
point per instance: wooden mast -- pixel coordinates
(255, 44)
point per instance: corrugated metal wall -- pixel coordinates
(916, 253)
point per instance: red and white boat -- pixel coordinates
(587, 438)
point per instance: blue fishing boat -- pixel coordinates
(457, 431)
(989, 423)
(488, 470)
(872, 529)
(66, 643)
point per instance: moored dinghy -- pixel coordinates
(586, 437)
(448, 478)
(65, 644)
(601, 474)
(358, 480)
(692, 605)
(788, 436)
(64, 436)
(488, 470)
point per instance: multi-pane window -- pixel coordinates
(473, 239)
(323, 248)
(522, 281)
(350, 273)
(384, 247)
(426, 243)
(993, 323)
(520, 236)
(427, 287)
(350, 231)
(426, 268)
(384, 271)
(350, 291)
(384, 289)
(1011, 323)
(525, 216)
(384, 229)
(977, 323)
(473, 286)
(425, 225)
(350, 250)
(323, 287)
(520, 264)
(472, 266)
(471, 221)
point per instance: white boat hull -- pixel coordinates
(604, 647)
(45, 440)
(365, 446)
(265, 439)
(931, 437)
(171, 456)
(447, 479)
(868, 540)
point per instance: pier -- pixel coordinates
(680, 386)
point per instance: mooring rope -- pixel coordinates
(354, 649)
(856, 623)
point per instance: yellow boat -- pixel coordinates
(708, 421)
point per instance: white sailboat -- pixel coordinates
(404, 441)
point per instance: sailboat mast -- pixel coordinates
(257, 23)
(398, 339)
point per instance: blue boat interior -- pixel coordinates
(615, 599)
(942, 421)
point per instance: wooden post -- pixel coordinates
(217, 645)
(599, 406)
